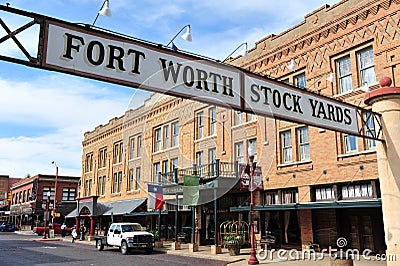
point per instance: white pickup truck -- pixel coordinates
(126, 236)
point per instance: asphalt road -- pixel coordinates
(24, 250)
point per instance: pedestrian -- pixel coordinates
(74, 234)
(82, 231)
(63, 229)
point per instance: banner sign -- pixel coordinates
(245, 183)
(136, 64)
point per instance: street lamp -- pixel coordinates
(55, 192)
(47, 214)
(253, 259)
(104, 11)
(243, 53)
(187, 36)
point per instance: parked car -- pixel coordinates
(7, 227)
(39, 230)
(185, 235)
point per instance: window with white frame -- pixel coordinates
(366, 66)
(103, 158)
(89, 162)
(118, 152)
(369, 129)
(300, 81)
(68, 194)
(200, 125)
(271, 198)
(175, 134)
(139, 146)
(138, 177)
(101, 185)
(88, 187)
(173, 163)
(289, 196)
(166, 139)
(349, 143)
(303, 144)
(156, 172)
(157, 139)
(237, 118)
(132, 148)
(45, 190)
(239, 152)
(115, 183)
(212, 158)
(324, 193)
(286, 146)
(213, 121)
(131, 182)
(343, 66)
(357, 191)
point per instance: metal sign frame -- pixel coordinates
(216, 83)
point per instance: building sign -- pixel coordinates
(135, 64)
(274, 99)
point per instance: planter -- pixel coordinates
(233, 249)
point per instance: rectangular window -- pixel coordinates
(137, 177)
(89, 162)
(212, 158)
(357, 191)
(45, 190)
(119, 181)
(103, 158)
(131, 179)
(157, 139)
(166, 137)
(289, 196)
(175, 134)
(369, 129)
(300, 81)
(156, 172)
(271, 198)
(349, 143)
(68, 194)
(132, 148)
(324, 193)
(115, 183)
(213, 121)
(237, 118)
(101, 185)
(303, 144)
(343, 66)
(251, 117)
(139, 146)
(200, 125)
(239, 152)
(286, 144)
(366, 66)
(118, 152)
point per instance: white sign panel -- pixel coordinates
(268, 98)
(137, 64)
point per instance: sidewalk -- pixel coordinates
(239, 260)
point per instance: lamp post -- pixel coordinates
(187, 36)
(253, 259)
(243, 53)
(20, 214)
(55, 192)
(47, 214)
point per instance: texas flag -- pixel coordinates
(174, 47)
(155, 197)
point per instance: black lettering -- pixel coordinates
(313, 106)
(167, 71)
(136, 60)
(227, 86)
(254, 90)
(276, 98)
(100, 53)
(202, 78)
(69, 46)
(189, 81)
(331, 112)
(296, 104)
(321, 110)
(339, 114)
(214, 77)
(285, 100)
(116, 54)
(266, 90)
(347, 114)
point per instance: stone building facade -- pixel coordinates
(313, 178)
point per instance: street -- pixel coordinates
(24, 250)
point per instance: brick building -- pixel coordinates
(313, 178)
(28, 195)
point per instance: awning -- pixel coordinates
(114, 208)
(373, 203)
(146, 213)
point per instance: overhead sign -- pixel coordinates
(273, 99)
(139, 65)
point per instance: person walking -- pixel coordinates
(74, 234)
(63, 229)
(82, 231)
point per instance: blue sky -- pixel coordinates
(43, 115)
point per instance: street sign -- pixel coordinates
(245, 184)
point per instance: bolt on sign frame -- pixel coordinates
(92, 52)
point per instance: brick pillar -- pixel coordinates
(305, 221)
(386, 101)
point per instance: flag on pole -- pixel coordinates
(155, 197)
(191, 190)
(174, 47)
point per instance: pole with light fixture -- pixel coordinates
(46, 216)
(243, 53)
(55, 192)
(104, 11)
(20, 214)
(187, 36)
(253, 259)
